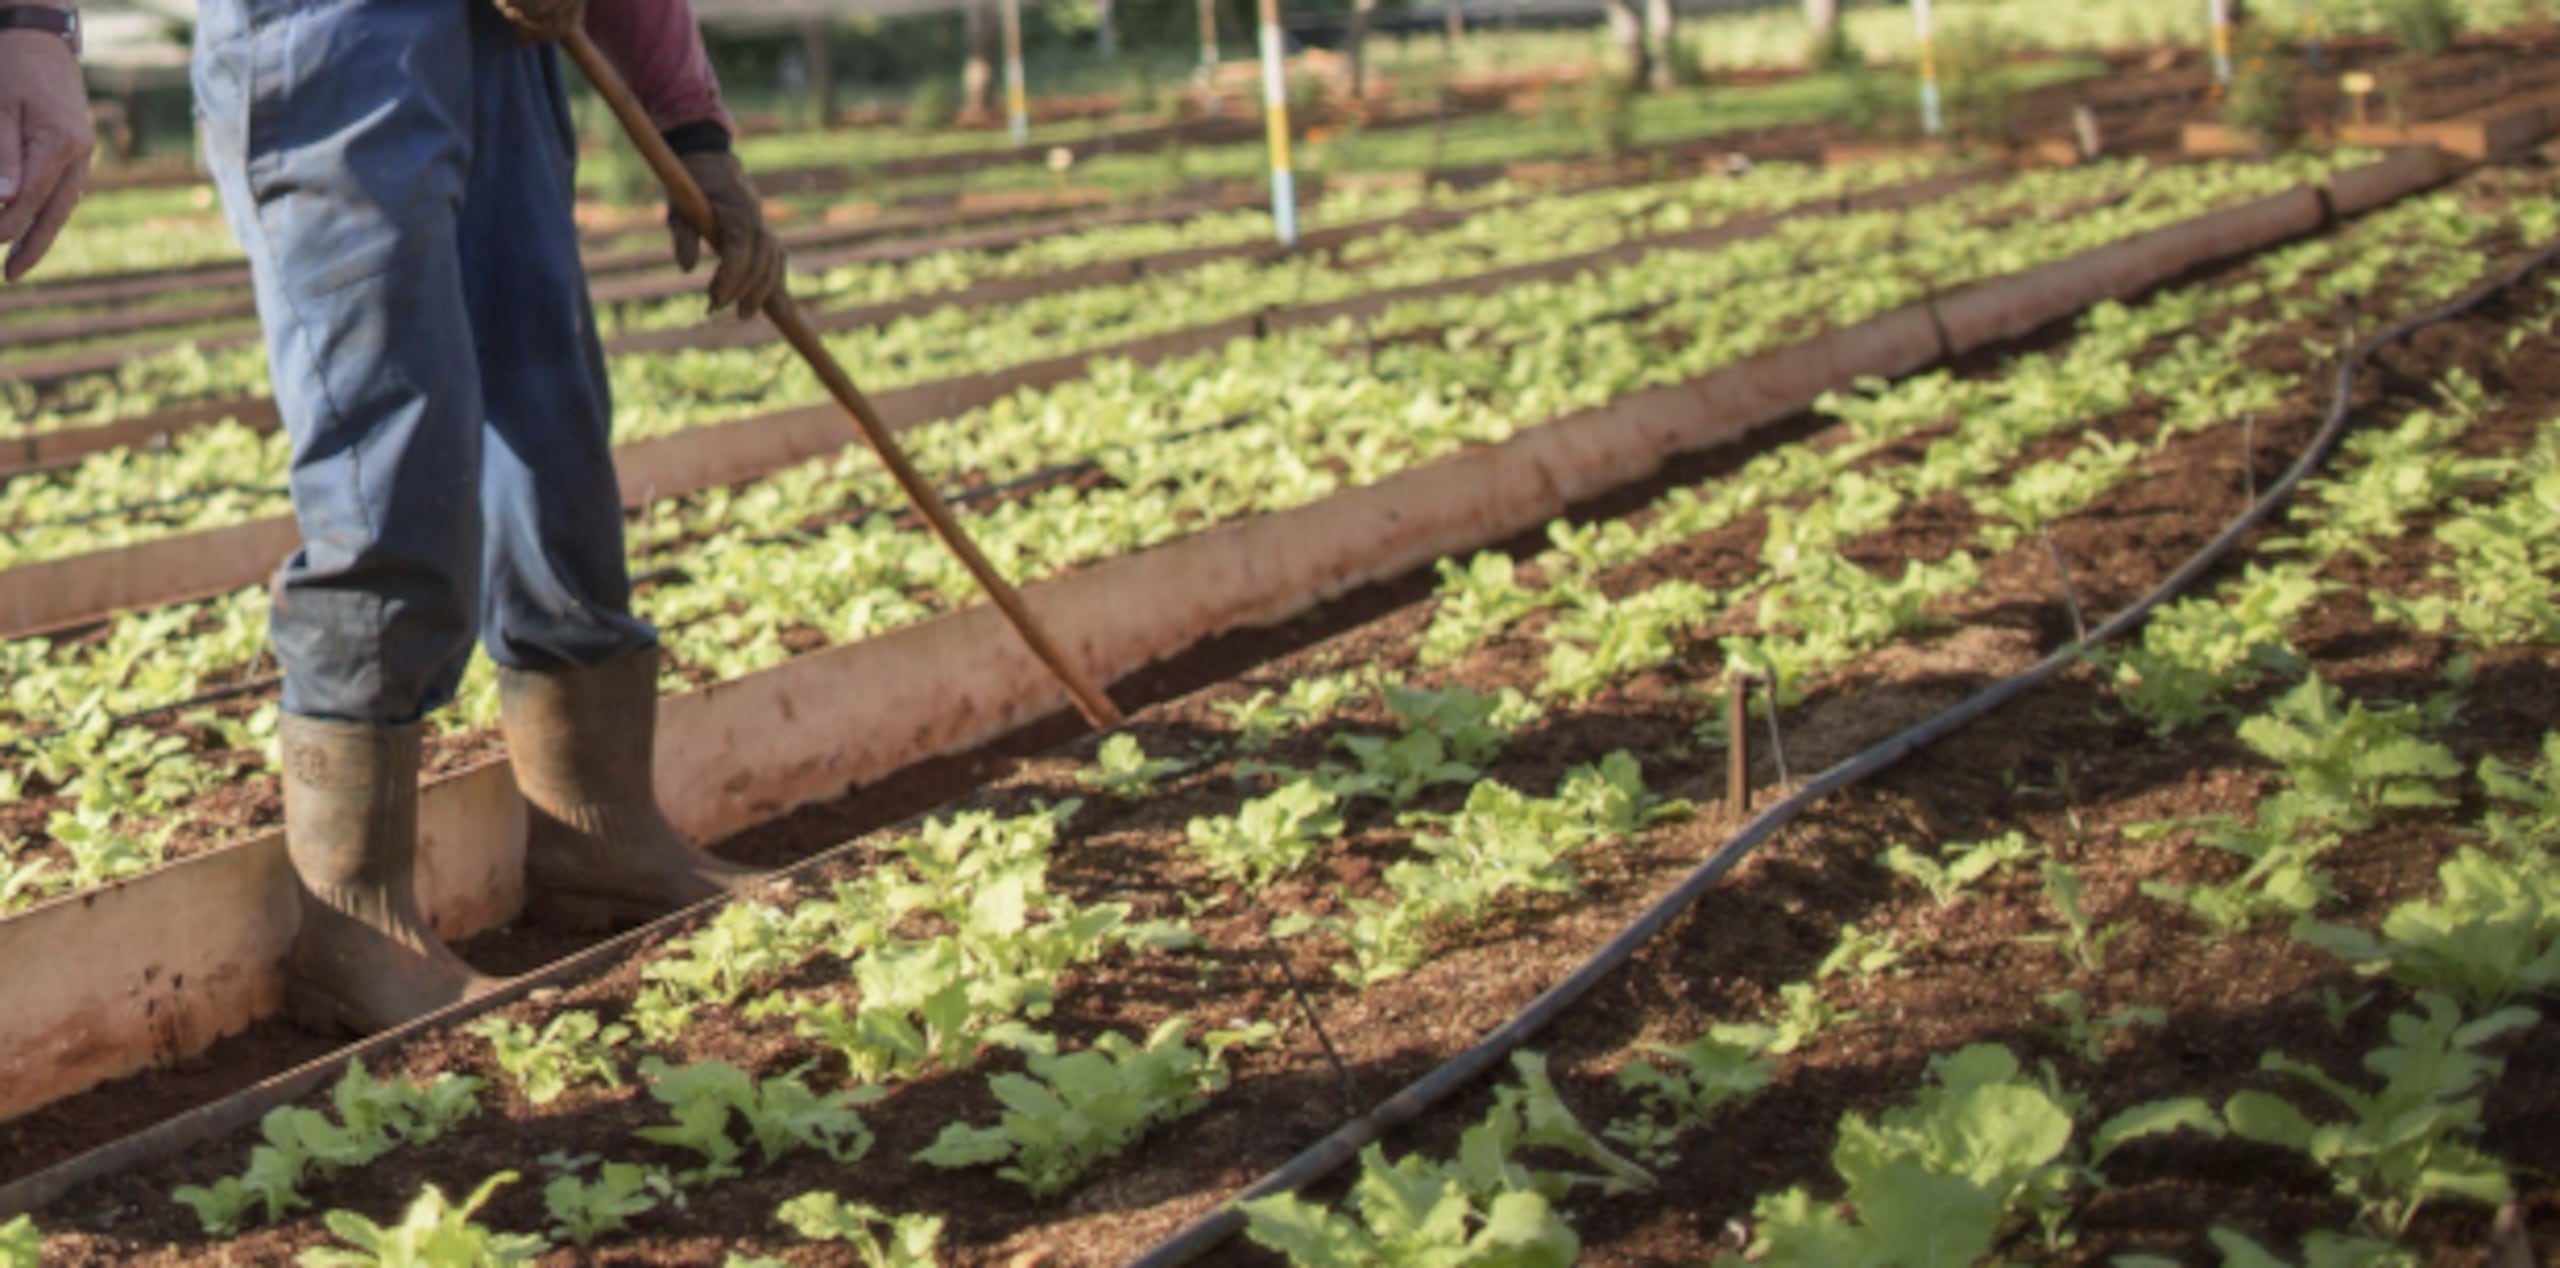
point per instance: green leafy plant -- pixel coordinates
(1478, 600)
(2087, 1033)
(1603, 641)
(2196, 651)
(570, 1049)
(2086, 939)
(583, 1211)
(1258, 719)
(1122, 769)
(2322, 1249)
(1075, 1110)
(1501, 842)
(746, 942)
(2491, 938)
(1271, 836)
(877, 1238)
(1959, 867)
(1482, 1206)
(2346, 761)
(21, 1243)
(2406, 1143)
(1689, 1085)
(2527, 816)
(1803, 1016)
(1860, 954)
(1401, 768)
(373, 1118)
(1935, 1181)
(433, 1233)
(2281, 879)
(781, 1114)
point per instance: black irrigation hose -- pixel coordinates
(1203, 1234)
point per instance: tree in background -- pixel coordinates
(1355, 45)
(1823, 16)
(1662, 41)
(978, 70)
(1626, 30)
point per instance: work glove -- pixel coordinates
(543, 21)
(751, 270)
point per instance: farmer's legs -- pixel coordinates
(559, 594)
(578, 673)
(338, 133)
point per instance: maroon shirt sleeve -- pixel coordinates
(658, 48)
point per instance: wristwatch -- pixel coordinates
(53, 19)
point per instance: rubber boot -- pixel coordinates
(364, 959)
(602, 855)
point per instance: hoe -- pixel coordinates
(689, 202)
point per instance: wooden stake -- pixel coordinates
(1737, 727)
(785, 314)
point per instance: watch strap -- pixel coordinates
(49, 18)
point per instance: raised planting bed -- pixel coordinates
(728, 762)
(1424, 820)
(185, 516)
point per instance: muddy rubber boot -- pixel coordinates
(602, 854)
(365, 959)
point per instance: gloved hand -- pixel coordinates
(543, 21)
(751, 269)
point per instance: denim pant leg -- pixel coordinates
(339, 134)
(558, 589)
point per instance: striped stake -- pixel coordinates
(1932, 113)
(1275, 109)
(2219, 11)
(1209, 35)
(1017, 102)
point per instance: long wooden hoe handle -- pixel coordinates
(690, 203)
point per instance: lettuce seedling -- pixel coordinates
(2408, 1142)
(879, 1239)
(1123, 770)
(432, 1233)
(570, 1049)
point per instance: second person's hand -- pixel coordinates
(45, 144)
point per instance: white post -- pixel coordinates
(1932, 114)
(1017, 100)
(2218, 12)
(1275, 109)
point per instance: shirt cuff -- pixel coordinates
(702, 136)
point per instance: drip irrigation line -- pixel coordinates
(1325, 1156)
